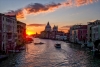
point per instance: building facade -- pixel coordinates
(53, 33)
(93, 30)
(89, 31)
(8, 32)
(50, 32)
(21, 33)
(78, 34)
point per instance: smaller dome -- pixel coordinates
(55, 28)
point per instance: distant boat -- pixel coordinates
(57, 45)
(29, 40)
(38, 43)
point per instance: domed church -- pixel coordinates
(49, 32)
(48, 27)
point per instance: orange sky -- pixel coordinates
(33, 28)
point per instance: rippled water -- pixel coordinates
(46, 55)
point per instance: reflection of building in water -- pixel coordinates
(52, 33)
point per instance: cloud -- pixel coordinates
(33, 9)
(36, 8)
(63, 29)
(83, 2)
(93, 20)
(66, 26)
(36, 25)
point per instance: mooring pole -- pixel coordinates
(93, 51)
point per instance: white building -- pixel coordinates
(96, 30)
(93, 32)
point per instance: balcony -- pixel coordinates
(9, 39)
(9, 32)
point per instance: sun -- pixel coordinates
(29, 32)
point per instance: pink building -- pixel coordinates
(78, 33)
(82, 33)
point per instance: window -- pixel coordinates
(3, 37)
(81, 37)
(94, 35)
(81, 31)
(90, 35)
(3, 18)
(8, 20)
(86, 34)
(3, 47)
(90, 39)
(90, 28)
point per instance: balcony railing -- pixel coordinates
(9, 39)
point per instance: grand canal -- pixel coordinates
(46, 55)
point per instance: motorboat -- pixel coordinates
(57, 45)
(38, 43)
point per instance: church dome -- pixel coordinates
(48, 25)
(55, 28)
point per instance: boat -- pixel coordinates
(38, 43)
(57, 45)
(29, 40)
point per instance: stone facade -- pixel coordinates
(8, 32)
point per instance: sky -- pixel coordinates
(64, 13)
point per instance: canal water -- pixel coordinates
(46, 55)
